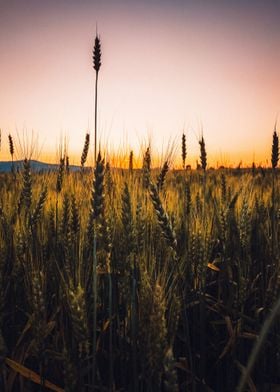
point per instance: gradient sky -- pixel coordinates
(167, 66)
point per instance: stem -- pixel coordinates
(95, 117)
(56, 220)
(111, 363)
(133, 330)
(202, 320)
(273, 215)
(94, 272)
(94, 288)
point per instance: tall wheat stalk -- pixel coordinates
(96, 66)
(202, 301)
(274, 163)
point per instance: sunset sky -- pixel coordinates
(167, 66)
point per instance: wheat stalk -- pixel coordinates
(130, 164)
(85, 150)
(203, 155)
(97, 204)
(146, 168)
(184, 150)
(11, 146)
(96, 66)
(163, 218)
(275, 149)
(162, 176)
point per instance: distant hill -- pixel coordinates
(35, 166)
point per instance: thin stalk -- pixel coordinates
(202, 301)
(274, 163)
(111, 367)
(94, 288)
(56, 221)
(96, 66)
(202, 320)
(95, 117)
(133, 329)
(273, 214)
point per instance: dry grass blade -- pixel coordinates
(213, 267)
(242, 369)
(30, 375)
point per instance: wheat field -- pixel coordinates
(139, 279)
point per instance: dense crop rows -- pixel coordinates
(138, 279)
